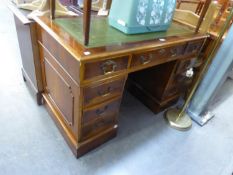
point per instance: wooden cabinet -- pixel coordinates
(27, 39)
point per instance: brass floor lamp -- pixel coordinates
(178, 118)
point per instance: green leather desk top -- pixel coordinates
(101, 34)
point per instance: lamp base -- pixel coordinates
(182, 123)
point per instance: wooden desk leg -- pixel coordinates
(86, 20)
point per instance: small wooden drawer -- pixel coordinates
(105, 67)
(103, 110)
(97, 127)
(101, 92)
(158, 56)
(194, 47)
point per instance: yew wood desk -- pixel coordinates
(83, 86)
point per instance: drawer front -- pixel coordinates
(105, 67)
(158, 56)
(97, 120)
(194, 47)
(97, 127)
(101, 92)
(103, 110)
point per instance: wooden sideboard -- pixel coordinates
(83, 86)
(31, 67)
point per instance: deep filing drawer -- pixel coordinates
(103, 110)
(94, 128)
(158, 56)
(101, 92)
(97, 120)
(105, 67)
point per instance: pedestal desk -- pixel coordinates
(83, 86)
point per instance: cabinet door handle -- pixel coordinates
(109, 67)
(101, 111)
(106, 92)
(144, 60)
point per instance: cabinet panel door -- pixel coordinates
(60, 92)
(63, 91)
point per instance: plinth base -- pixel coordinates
(183, 123)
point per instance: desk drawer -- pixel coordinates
(94, 128)
(194, 47)
(107, 109)
(105, 67)
(158, 56)
(101, 92)
(98, 119)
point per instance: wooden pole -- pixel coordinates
(108, 5)
(203, 13)
(224, 4)
(86, 20)
(52, 9)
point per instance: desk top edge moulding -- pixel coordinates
(86, 65)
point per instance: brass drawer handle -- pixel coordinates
(98, 124)
(162, 51)
(144, 60)
(106, 92)
(109, 67)
(174, 52)
(194, 48)
(101, 111)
